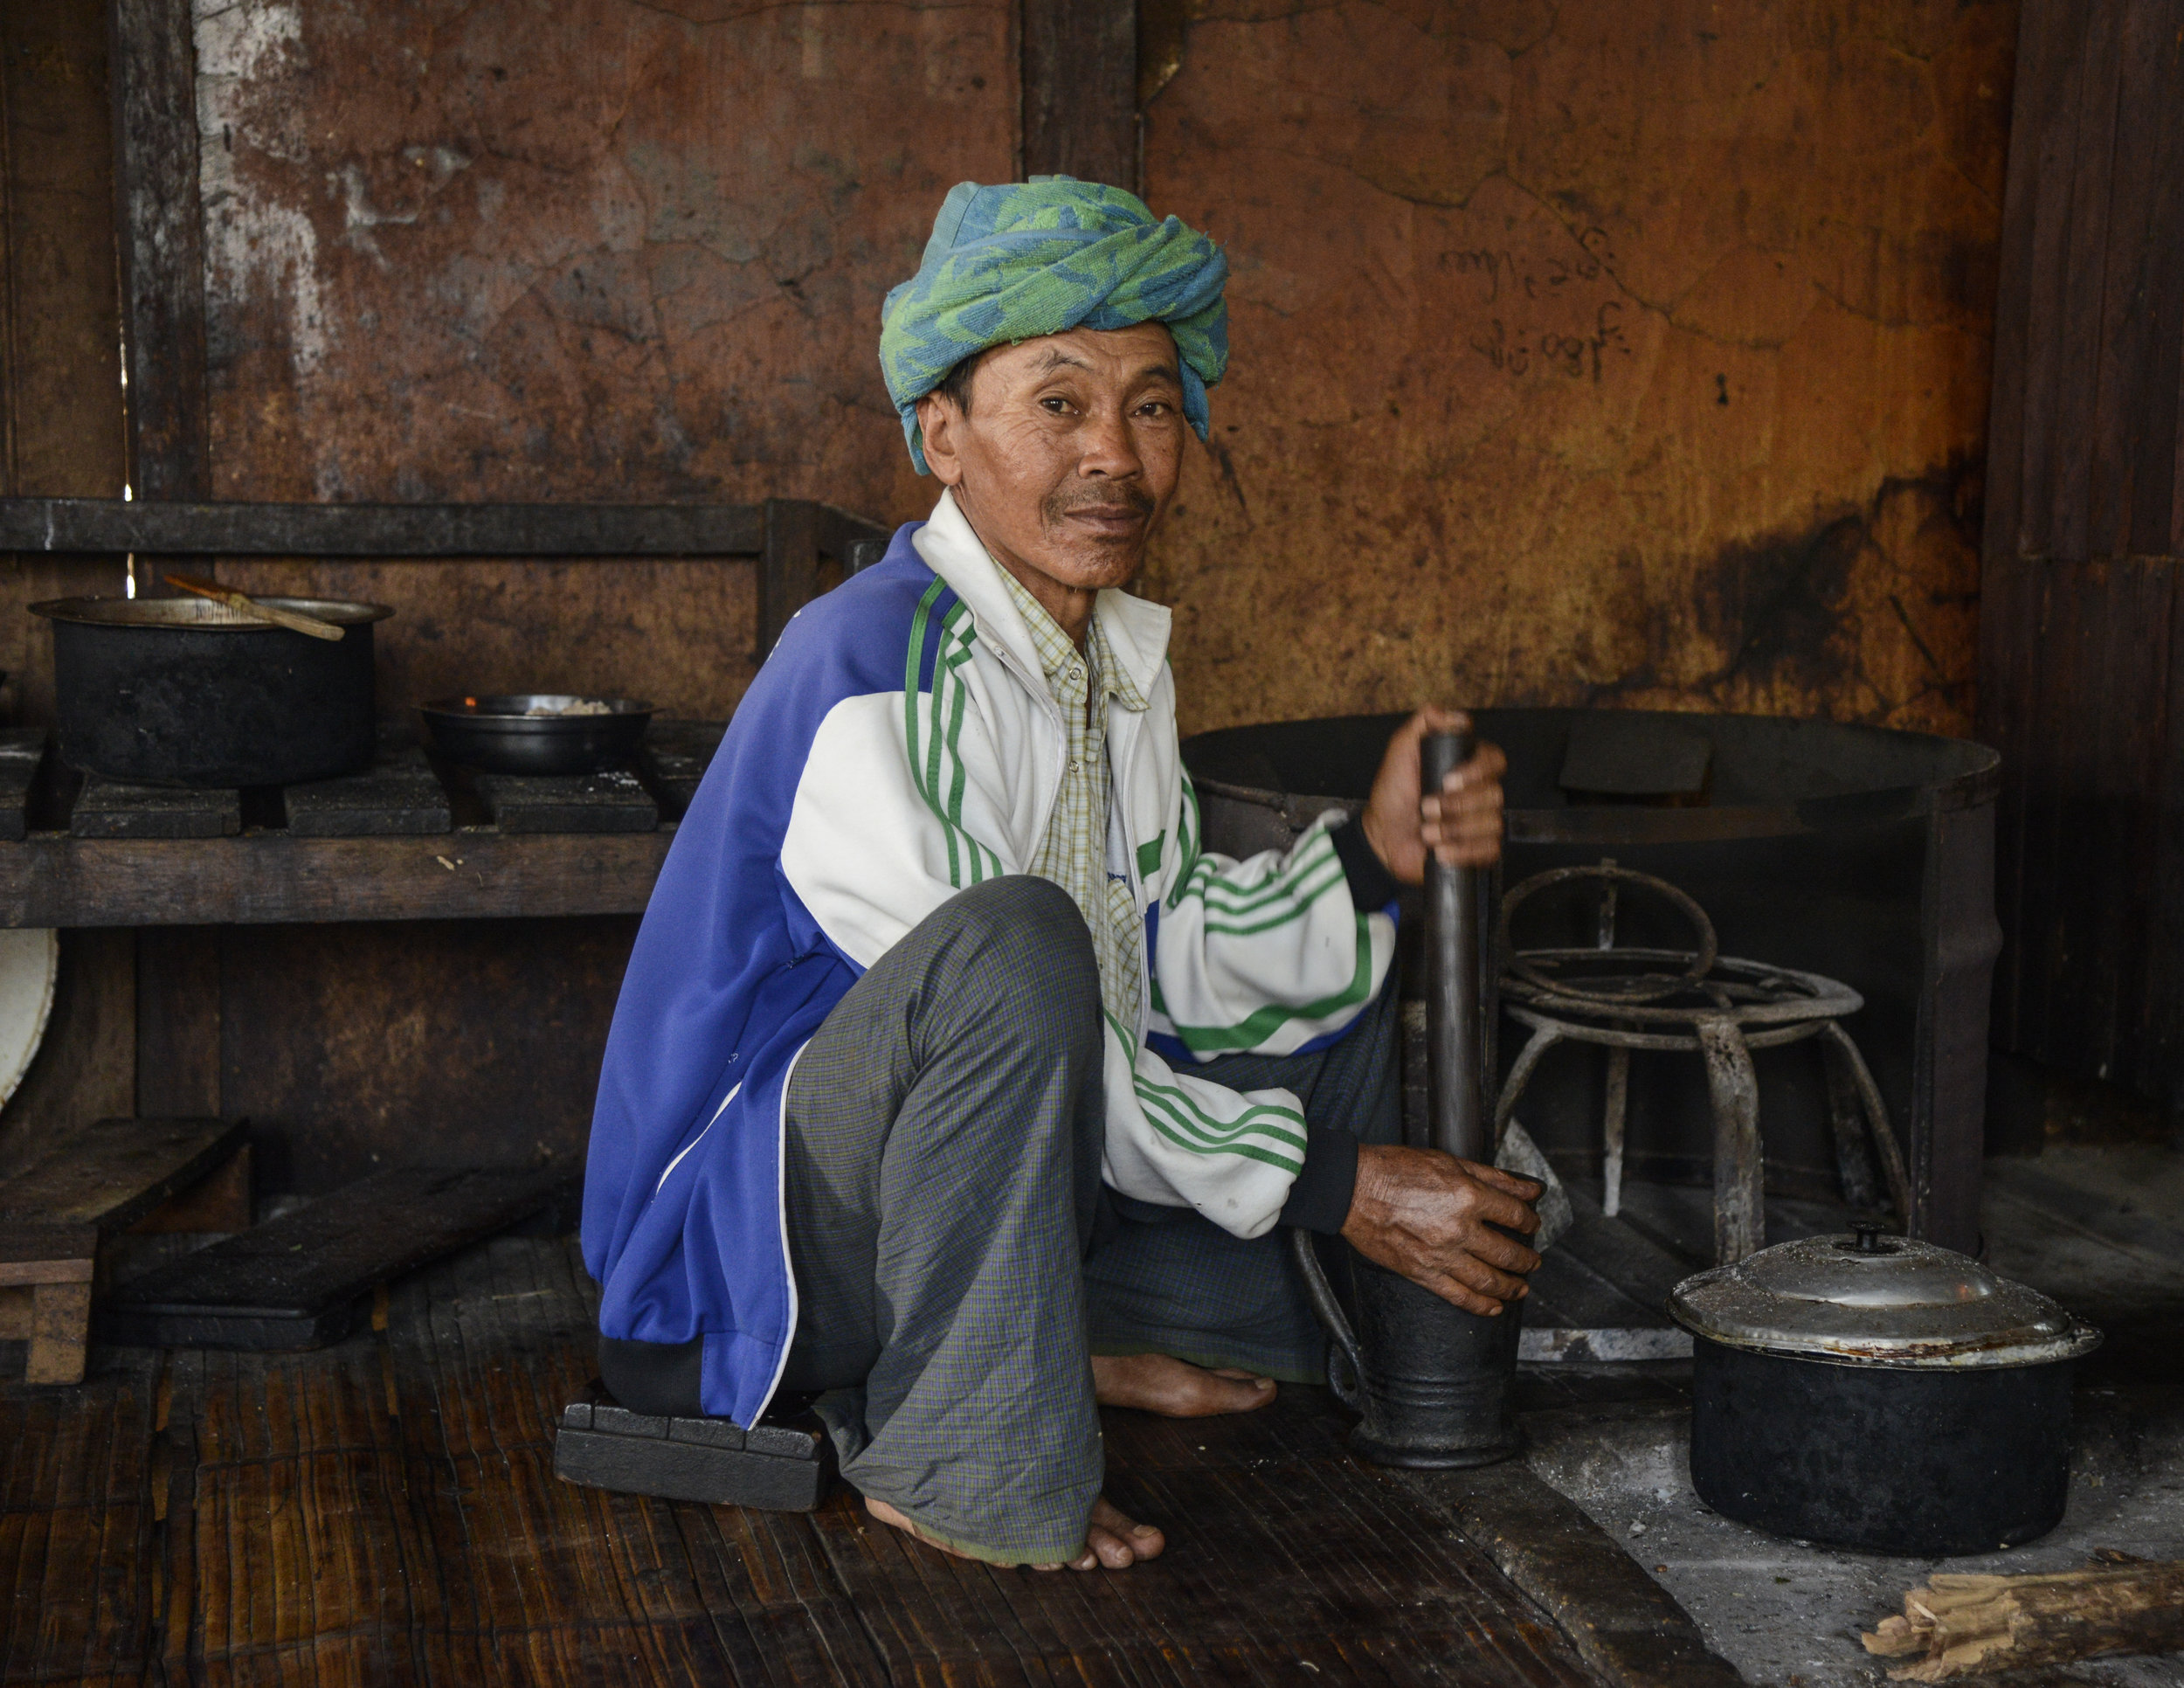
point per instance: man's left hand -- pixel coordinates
(1461, 823)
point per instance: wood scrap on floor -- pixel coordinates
(299, 1281)
(1972, 1625)
(58, 1217)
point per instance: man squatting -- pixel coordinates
(952, 1078)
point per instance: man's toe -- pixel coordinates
(1120, 1541)
(1235, 1394)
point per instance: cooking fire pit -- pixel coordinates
(1859, 854)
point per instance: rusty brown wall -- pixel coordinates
(1627, 351)
(601, 250)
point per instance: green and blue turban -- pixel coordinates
(1010, 263)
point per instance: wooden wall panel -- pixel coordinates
(159, 241)
(472, 1042)
(603, 250)
(677, 634)
(60, 393)
(1600, 352)
(2078, 652)
(159, 259)
(1604, 352)
(60, 409)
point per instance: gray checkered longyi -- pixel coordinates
(955, 1256)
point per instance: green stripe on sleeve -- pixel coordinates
(1170, 1112)
(1243, 900)
(1176, 1132)
(1299, 909)
(1255, 1029)
(1259, 1120)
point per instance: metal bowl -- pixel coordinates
(526, 733)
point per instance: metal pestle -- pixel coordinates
(1454, 1028)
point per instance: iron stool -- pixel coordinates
(1694, 1000)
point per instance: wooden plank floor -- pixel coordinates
(385, 1512)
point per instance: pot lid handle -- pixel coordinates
(1869, 1237)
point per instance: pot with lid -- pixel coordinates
(186, 691)
(1880, 1393)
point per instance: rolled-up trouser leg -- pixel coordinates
(1165, 1280)
(942, 1171)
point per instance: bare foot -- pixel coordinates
(1112, 1541)
(1175, 1388)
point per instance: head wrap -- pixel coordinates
(1013, 262)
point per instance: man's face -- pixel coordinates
(1070, 453)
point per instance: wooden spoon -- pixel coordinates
(244, 604)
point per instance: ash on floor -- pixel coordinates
(2091, 1227)
(1788, 1615)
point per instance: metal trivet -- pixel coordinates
(1696, 999)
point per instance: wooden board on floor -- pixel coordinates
(293, 1282)
(106, 1178)
(145, 1518)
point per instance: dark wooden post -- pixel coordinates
(1949, 1074)
(161, 246)
(788, 567)
(2081, 620)
(159, 234)
(1080, 90)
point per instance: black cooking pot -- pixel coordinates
(1882, 1393)
(186, 691)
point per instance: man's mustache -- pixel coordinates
(1134, 498)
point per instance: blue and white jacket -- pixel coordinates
(898, 745)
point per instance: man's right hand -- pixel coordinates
(1431, 1217)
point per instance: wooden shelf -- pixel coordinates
(53, 879)
(399, 841)
(407, 840)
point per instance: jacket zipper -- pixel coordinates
(1009, 661)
